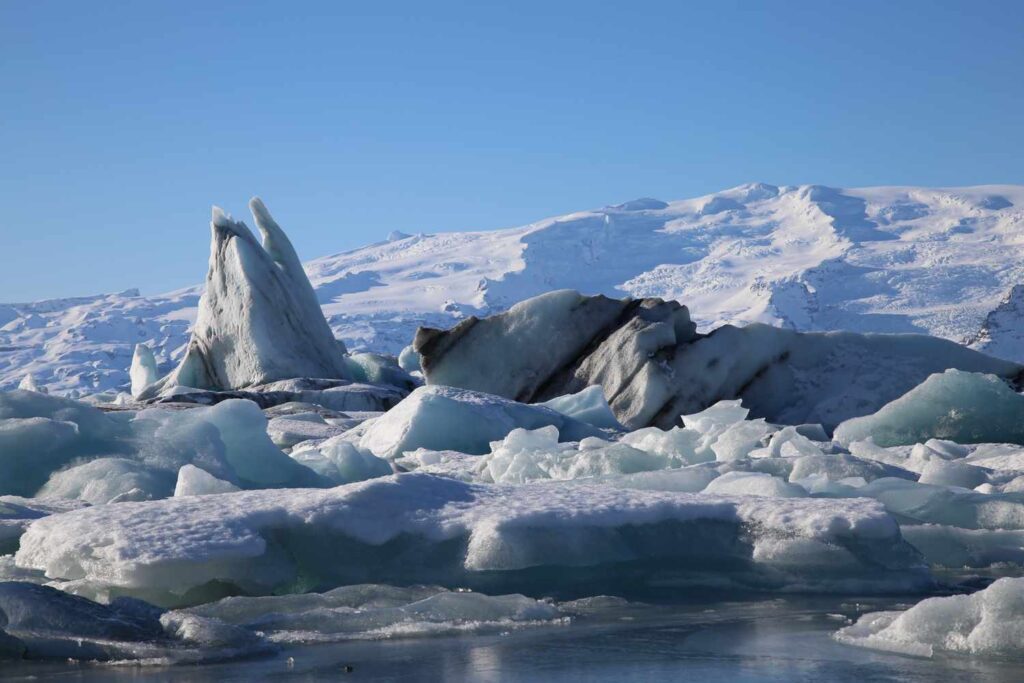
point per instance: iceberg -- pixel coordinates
(143, 371)
(418, 528)
(444, 418)
(964, 407)
(28, 383)
(259, 319)
(653, 366)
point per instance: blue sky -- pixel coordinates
(122, 122)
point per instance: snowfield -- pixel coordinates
(893, 259)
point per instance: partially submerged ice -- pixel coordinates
(654, 366)
(259, 319)
(420, 528)
(371, 610)
(40, 622)
(989, 622)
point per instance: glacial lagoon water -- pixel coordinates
(754, 640)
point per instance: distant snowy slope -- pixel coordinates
(892, 259)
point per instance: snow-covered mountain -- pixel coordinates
(891, 259)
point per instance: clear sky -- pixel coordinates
(122, 122)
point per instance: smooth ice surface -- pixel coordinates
(415, 527)
(754, 484)
(989, 622)
(587, 405)
(961, 406)
(444, 418)
(376, 368)
(195, 481)
(409, 359)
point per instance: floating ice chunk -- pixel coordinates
(754, 484)
(44, 623)
(716, 418)
(107, 480)
(418, 528)
(526, 455)
(899, 456)
(143, 371)
(998, 457)
(31, 448)
(28, 383)
(962, 508)
(195, 481)
(788, 442)
(16, 513)
(677, 443)
(948, 546)
(409, 359)
(442, 418)
(377, 368)
(54, 625)
(93, 424)
(208, 633)
(288, 431)
(363, 611)
(989, 622)
(587, 405)
(962, 406)
(739, 439)
(342, 462)
(952, 473)
(453, 464)
(840, 466)
(253, 457)
(683, 480)
(940, 448)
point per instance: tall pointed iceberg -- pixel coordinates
(259, 320)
